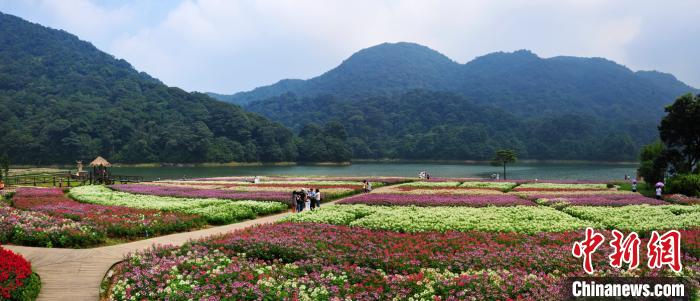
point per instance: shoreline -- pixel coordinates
(466, 162)
(357, 161)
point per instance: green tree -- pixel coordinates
(503, 157)
(652, 162)
(680, 131)
(4, 166)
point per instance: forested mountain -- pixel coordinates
(393, 97)
(445, 126)
(520, 82)
(62, 99)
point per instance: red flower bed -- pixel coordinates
(691, 241)
(15, 276)
(400, 253)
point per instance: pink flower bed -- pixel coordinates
(388, 180)
(598, 200)
(114, 221)
(437, 200)
(682, 199)
(203, 193)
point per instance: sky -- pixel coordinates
(226, 46)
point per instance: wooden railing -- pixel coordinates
(68, 180)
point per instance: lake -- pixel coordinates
(547, 171)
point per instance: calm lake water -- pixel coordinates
(563, 171)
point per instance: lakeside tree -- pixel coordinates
(504, 157)
(4, 166)
(324, 144)
(680, 132)
(652, 162)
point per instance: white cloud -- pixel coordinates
(227, 46)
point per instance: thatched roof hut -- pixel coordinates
(99, 161)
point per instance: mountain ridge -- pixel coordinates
(608, 110)
(429, 69)
(62, 99)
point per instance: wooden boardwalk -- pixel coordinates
(76, 274)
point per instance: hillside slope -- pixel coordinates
(519, 82)
(62, 99)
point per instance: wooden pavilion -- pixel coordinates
(100, 171)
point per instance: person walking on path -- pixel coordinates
(312, 199)
(364, 186)
(300, 201)
(318, 198)
(634, 185)
(659, 191)
(307, 202)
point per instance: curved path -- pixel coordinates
(76, 274)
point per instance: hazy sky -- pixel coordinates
(226, 45)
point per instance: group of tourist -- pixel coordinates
(310, 199)
(306, 199)
(658, 192)
(424, 175)
(366, 186)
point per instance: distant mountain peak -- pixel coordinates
(502, 57)
(397, 53)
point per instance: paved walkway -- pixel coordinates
(76, 274)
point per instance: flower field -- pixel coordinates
(522, 219)
(111, 221)
(188, 192)
(42, 230)
(387, 180)
(492, 184)
(416, 190)
(300, 261)
(560, 186)
(640, 218)
(428, 240)
(239, 188)
(17, 281)
(429, 200)
(612, 200)
(215, 211)
(682, 199)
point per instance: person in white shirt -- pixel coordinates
(307, 201)
(318, 198)
(658, 192)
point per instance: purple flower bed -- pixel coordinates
(388, 180)
(566, 181)
(436, 200)
(204, 193)
(600, 200)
